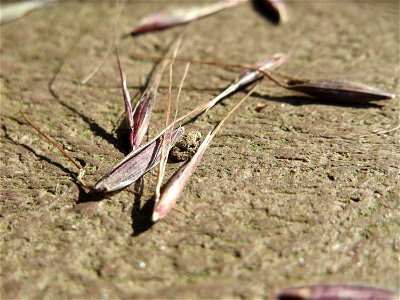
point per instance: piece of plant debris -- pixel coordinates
(335, 292)
(330, 90)
(140, 118)
(15, 10)
(167, 144)
(278, 8)
(136, 163)
(180, 16)
(250, 76)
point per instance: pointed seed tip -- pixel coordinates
(155, 217)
